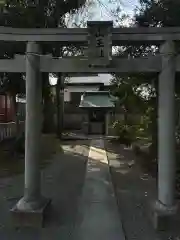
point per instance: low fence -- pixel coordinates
(8, 130)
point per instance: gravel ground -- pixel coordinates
(134, 190)
(62, 182)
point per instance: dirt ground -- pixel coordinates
(13, 163)
(134, 190)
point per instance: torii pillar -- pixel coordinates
(165, 207)
(29, 211)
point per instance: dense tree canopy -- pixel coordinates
(39, 13)
(151, 13)
(33, 14)
(159, 13)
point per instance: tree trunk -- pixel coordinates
(17, 121)
(155, 124)
(48, 121)
(60, 105)
(125, 116)
(58, 100)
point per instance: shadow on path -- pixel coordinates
(62, 182)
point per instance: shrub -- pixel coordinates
(125, 132)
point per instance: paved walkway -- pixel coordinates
(98, 216)
(89, 196)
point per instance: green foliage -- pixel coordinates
(126, 132)
(42, 13)
(152, 13)
(159, 13)
(12, 83)
(32, 14)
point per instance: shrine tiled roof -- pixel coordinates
(97, 99)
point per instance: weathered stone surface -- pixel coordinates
(161, 220)
(34, 218)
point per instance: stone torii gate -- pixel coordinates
(100, 36)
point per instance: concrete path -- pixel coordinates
(98, 216)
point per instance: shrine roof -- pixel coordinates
(97, 99)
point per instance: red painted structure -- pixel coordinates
(7, 113)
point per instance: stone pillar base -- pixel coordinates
(162, 217)
(30, 218)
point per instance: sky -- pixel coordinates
(103, 12)
(104, 9)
